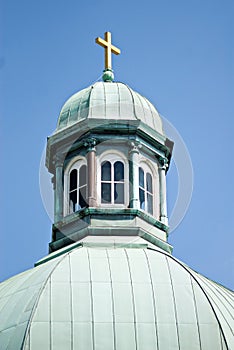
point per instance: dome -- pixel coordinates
(114, 297)
(109, 101)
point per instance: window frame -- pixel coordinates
(112, 157)
(75, 164)
(147, 170)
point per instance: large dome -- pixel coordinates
(126, 298)
(109, 101)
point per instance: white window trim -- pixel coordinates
(113, 156)
(148, 168)
(75, 163)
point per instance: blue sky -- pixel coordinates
(179, 54)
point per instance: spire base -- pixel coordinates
(108, 75)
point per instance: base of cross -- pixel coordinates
(108, 75)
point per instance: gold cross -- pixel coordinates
(109, 48)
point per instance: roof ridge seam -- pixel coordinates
(196, 311)
(118, 99)
(133, 299)
(174, 302)
(153, 297)
(205, 293)
(133, 104)
(205, 282)
(90, 108)
(37, 300)
(149, 106)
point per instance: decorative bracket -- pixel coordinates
(90, 144)
(135, 146)
(163, 162)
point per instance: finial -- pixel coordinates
(108, 74)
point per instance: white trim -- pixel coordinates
(75, 163)
(113, 156)
(150, 168)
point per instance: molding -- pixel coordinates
(75, 238)
(105, 129)
(111, 212)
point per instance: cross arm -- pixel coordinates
(105, 44)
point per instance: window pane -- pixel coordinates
(119, 193)
(82, 176)
(82, 197)
(73, 201)
(106, 193)
(150, 203)
(142, 198)
(141, 177)
(149, 183)
(106, 171)
(73, 179)
(118, 171)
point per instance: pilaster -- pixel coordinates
(134, 174)
(58, 188)
(163, 190)
(92, 171)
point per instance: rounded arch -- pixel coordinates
(112, 155)
(152, 165)
(72, 163)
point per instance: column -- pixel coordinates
(92, 172)
(163, 190)
(58, 189)
(134, 175)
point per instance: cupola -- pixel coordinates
(109, 157)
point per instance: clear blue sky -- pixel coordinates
(179, 54)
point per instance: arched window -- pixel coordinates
(145, 191)
(112, 182)
(77, 188)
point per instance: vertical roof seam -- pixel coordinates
(149, 105)
(133, 297)
(78, 106)
(141, 104)
(222, 294)
(196, 311)
(112, 300)
(200, 286)
(174, 300)
(153, 294)
(29, 322)
(221, 340)
(50, 311)
(91, 295)
(69, 114)
(71, 299)
(133, 104)
(90, 108)
(118, 100)
(219, 308)
(105, 103)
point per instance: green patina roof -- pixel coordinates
(111, 101)
(117, 297)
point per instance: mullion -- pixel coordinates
(146, 194)
(145, 190)
(112, 184)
